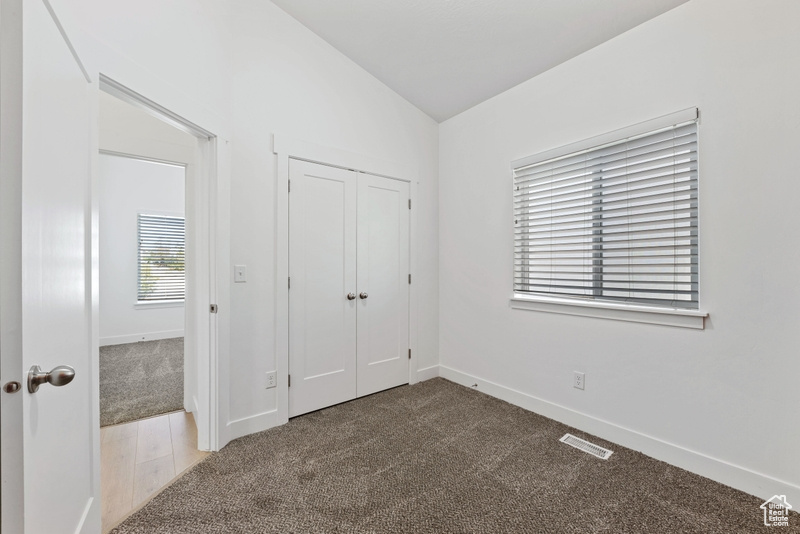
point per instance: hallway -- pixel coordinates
(140, 458)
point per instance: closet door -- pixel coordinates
(322, 267)
(383, 269)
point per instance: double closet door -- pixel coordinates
(349, 285)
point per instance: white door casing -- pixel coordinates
(322, 247)
(383, 259)
(60, 473)
(349, 294)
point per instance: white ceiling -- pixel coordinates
(445, 56)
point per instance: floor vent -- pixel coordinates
(585, 446)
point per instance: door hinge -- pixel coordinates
(290, 282)
(409, 203)
(409, 278)
(290, 186)
(290, 380)
(212, 308)
(409, 354)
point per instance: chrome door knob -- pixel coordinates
(363, 295)
(60, 376)
(351, 296)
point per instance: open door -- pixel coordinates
(54, 483)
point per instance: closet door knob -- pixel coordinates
(363, 295)
(351, 296)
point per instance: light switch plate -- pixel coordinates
(240, 273)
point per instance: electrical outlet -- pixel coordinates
(579, 380)
(272, 380)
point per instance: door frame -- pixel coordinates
(207, 252)
(286, 148)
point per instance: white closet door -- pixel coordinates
(383, 268)
(322, 266)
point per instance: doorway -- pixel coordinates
(142, 282)
(151, 335)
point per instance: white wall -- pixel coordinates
(126, 129)
(288, 80)
(245, 70)
(718, 401)
(129, 187)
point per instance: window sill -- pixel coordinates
(154, 304)
(608, 310)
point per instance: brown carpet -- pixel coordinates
(432, 458)
(139, 380)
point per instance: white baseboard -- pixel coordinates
(194, 406)
(133, 338)
(741, 478)
(90, 519)
(428, 373)
(252, 424)
(267, 420)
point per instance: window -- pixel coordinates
(161, 258)
(612, 219)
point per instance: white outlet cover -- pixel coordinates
(272, 379)
(579, 380)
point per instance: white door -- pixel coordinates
(57, 424)
(383, 285)
(348, 296)
(322, 267)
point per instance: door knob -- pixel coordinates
(351, 296)
(363, 295)
(60, 376)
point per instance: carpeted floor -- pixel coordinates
(438, 458)
(139, 380)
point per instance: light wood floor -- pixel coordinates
(139, 458)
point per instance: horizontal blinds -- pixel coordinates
(162, 246)
(616, 222)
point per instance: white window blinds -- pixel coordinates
(615, 222)
(161, 257)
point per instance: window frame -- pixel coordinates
(598, 308)
(157, 303)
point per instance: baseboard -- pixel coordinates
(741, 478)
(133, 338)
(428, 373)
(90, 519)
(252, 424)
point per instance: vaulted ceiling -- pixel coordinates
(445, 56)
